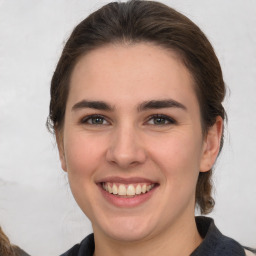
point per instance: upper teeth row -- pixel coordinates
(129, 190)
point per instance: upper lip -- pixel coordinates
(116, 179)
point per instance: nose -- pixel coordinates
(126, 148)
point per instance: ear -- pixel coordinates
(60, 144)
(211, 145)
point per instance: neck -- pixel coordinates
(180, 239)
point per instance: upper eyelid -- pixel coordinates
(161, 116)
(86, 118)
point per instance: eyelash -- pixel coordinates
(86, 119)
(164, 118)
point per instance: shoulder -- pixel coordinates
(215, 243)
(86, 247)
(19, 251)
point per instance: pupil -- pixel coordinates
(159, 120)
(97, 120)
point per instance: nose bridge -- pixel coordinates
(126, 147)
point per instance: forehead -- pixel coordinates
(140, 71)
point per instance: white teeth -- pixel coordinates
(109, 189)
(123, 190)
(114, 189)
(130, 190)
(138, 190)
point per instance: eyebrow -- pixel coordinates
(152, 104)
(157, 104)
(100, 105)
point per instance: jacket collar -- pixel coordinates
(215, 243)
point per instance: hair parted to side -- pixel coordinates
(138, 21)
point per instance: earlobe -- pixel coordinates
(211, 145)
(59, 140)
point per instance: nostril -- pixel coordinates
(126, 157)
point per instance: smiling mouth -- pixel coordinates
(127, 190)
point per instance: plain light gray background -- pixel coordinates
(37, 210)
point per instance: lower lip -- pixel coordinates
(127, 202)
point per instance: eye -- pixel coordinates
(160, 120)
(94, 120)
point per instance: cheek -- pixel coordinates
(83, 157)
(82, 153)
(179, 158)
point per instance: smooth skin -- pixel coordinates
(122, 138)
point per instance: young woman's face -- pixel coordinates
(132, 142)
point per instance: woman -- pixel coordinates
(136, 107)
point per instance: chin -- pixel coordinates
(128, 229)
(126, 235)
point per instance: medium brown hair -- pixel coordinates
(5, 245)
(147, 21)
(8, 249)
